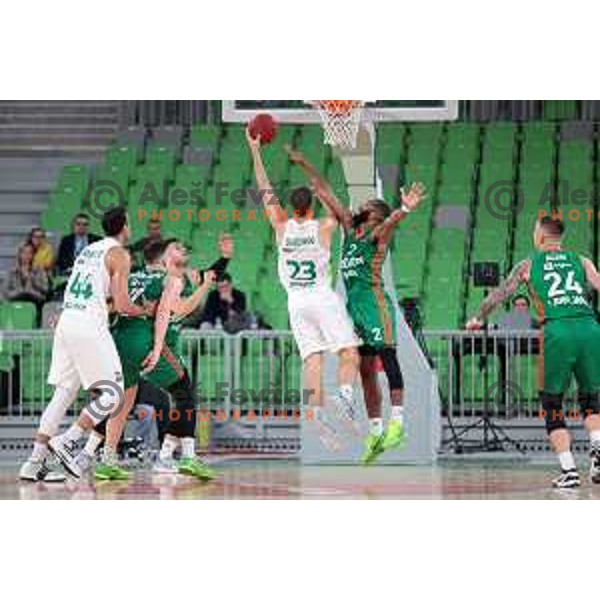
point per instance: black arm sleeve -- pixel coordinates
(219, 267)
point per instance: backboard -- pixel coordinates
(298, 111)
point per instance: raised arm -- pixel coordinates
(168, 299)
(118, 263)
(270, 201)
(185, 306)
(322, 189)
(501, 294)
(591, 273)
(411, 198)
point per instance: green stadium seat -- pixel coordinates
(123, 155)
(20, 315)
(204, 136)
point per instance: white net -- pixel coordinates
(341, 119)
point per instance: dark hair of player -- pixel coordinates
(301, 201)
(551, 226)
(381, 208)
(153, 251)
(114, 220)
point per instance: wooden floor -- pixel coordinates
(287, 479)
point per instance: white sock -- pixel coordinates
(74, 433)
(110, 456)
(40, 452)
(346, 391)
(169, 446)
(595, 438)
(376, 426)
(398, 413)
(188, 449)
(92, 443)
(567, 462)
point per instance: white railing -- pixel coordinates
(494, 372)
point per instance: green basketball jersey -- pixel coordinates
(559, 285)
(362, 262)
(147, 285)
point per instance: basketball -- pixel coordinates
(264, 125)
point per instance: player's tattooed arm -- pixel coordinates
(334, 208)
(168, 300)
(119, 266)
(270, 200)
(592, 275)
(185, 306)
(411, 197)
(501, 294)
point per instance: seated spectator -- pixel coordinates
(226, 306)
(519, 318)
(25, 282)
(153, 234)
(71, 245)
(43, 257)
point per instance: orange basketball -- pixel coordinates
(264, 125)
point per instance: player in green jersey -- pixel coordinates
(150, 348)
(559, 282)
(367, 235)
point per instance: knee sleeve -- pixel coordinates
(589, 403)
(100, 428)
(104, 403)
(55, 412)
(552, 410)
(182, 417)
(391, 366)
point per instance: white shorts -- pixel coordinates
(83, 354)
(320, 323)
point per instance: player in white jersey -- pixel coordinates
(318, 317)
(84, 353)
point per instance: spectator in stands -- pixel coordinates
(71, 245)
(43, 257)
(26, 282)
(153, 233)
(519, 318)
(226, 306)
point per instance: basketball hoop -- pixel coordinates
(341, 119)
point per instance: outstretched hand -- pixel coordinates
(474, 324)
(254, 143)
(210, 277)
(226, 245)
(151, 361)
(413, 196)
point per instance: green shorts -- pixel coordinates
(373, 316)
(570, 348)
(134, 342)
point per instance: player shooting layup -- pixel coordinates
(84, 352)
(367, 237)
(558, 281)
(318, 318)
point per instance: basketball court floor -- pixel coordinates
(276, 478)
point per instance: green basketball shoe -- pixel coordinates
(196, 468)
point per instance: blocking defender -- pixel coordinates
(318, 318)
(84, 353)
(558, 281)
(367, 235)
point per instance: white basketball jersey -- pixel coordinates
(303, 262)
(89, 284)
